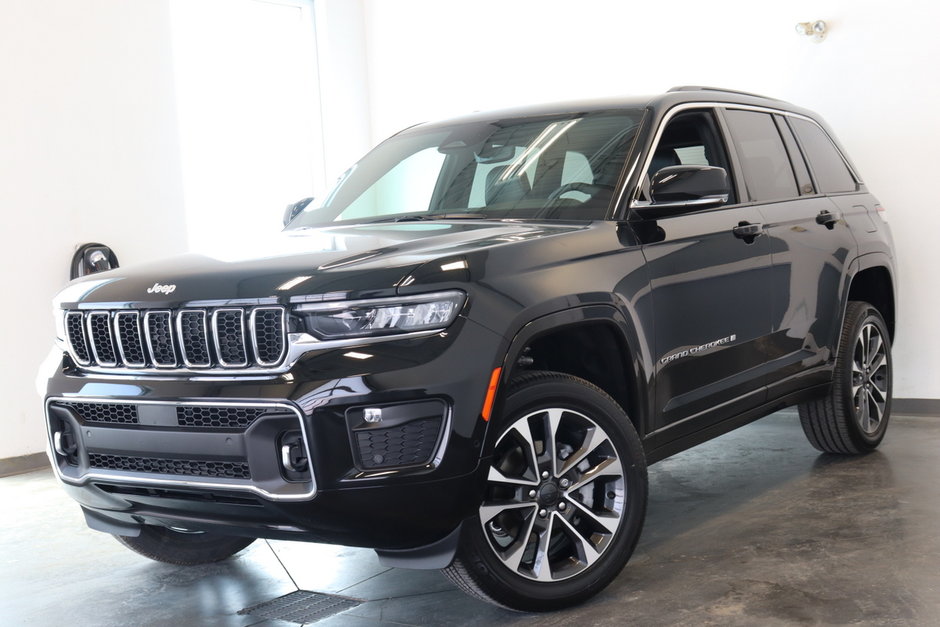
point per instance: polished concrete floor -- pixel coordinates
(754, 528)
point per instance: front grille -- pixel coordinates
(190, 467)
(409, 444)
(205, 338)
(218, 417)
(107, 413)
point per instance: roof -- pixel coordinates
(659, 103)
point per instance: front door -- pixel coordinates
(710, 293)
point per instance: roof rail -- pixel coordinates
(727, 91)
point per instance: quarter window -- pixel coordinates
(767, 171)
(827, 164)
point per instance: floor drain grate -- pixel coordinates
(301, 606)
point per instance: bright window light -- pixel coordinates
(248, 106)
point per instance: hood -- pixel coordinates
(344, 262)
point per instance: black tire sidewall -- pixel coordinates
(516, 591)
(184, 549)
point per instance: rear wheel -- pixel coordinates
(853, 418)
(564, 502)
(183, 547)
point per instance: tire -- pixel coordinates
(585, 488)
(853, 417)
(184, 548)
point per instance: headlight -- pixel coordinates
(389, 316)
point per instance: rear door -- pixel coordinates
(810, 241)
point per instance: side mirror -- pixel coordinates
(293, 210)
(680, 188)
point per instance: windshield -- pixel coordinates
(562, 167)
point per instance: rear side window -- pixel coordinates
(832, 175)
(767, 171)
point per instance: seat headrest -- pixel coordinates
(510, 189)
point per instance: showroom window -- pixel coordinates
(245, 74)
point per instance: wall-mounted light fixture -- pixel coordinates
(816, 31)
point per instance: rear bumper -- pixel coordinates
(208, 453)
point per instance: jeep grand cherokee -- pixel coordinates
(467, 355)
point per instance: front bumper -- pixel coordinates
(227, 454)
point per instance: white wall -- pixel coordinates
(875, 83)
(88, 152)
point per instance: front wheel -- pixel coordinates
(853, 417)
(564, 502)
(183, 547)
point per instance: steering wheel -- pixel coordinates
(585, 188)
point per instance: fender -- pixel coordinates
(861, 263)
(636, 357)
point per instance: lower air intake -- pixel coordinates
(189, 467)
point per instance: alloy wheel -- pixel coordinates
(555, 495)
(870, 364)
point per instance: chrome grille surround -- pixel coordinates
(228, 326)
(129, 338)
(174, 476)
(208, 339)
(159, 334)
(98, 324)
(77, 338)
(193, 338)
(268, 323)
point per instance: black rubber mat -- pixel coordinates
(301, 606)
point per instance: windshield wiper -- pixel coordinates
(432, 217)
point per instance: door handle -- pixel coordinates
(748, 231)
(827, 219)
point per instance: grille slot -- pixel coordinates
(197, 338)
(267, 334)
(190, 467)
(102, 343)
(409, 444)
(218, 417)
(160, 338)
(229, 326)
(194, 340)
(129, 340)
(108, 413)
(75, 330)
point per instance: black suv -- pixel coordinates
(467, 355)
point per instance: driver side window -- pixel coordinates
(690, 138)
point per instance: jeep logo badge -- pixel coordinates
(161, 289)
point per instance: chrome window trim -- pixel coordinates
(91, 337)
(685, 106)
(68, 338)
(215, 337)
(125, 477)
(179, 335)
(120, 343)
(153, 359)
(254, 335)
